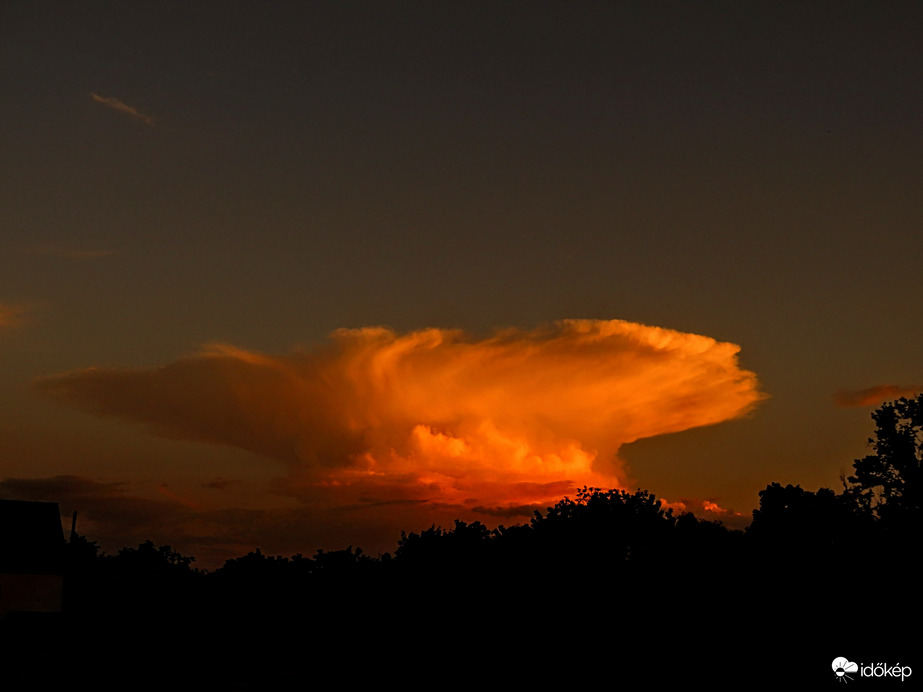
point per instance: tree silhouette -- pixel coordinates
(603, 569)
(888, 483)
(149, 558)
(448, 549)
(811, 527)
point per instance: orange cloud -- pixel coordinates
(517, 419)
(875, 395)
(119, 105)
(707, 509)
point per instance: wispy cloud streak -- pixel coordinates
(119, 105)
(872, 396)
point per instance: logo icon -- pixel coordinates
(841, 667)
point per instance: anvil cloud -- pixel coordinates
(435, 416)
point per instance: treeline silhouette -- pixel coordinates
(608, 576)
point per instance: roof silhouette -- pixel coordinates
(31, 537)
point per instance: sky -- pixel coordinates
(305, 275)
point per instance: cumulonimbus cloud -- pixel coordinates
(119, 105)
(872, 396)
(519, 417)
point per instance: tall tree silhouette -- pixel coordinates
(888, 483)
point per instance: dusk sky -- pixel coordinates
(302, 275)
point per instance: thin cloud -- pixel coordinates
(12, 315)
(119, 105)
(68, 252)
(517, 512)
(217, 484)
(519, 418)
(873, 396)
(123, 516)
(118, 514)
(58, 488)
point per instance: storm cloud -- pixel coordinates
(433, 415)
